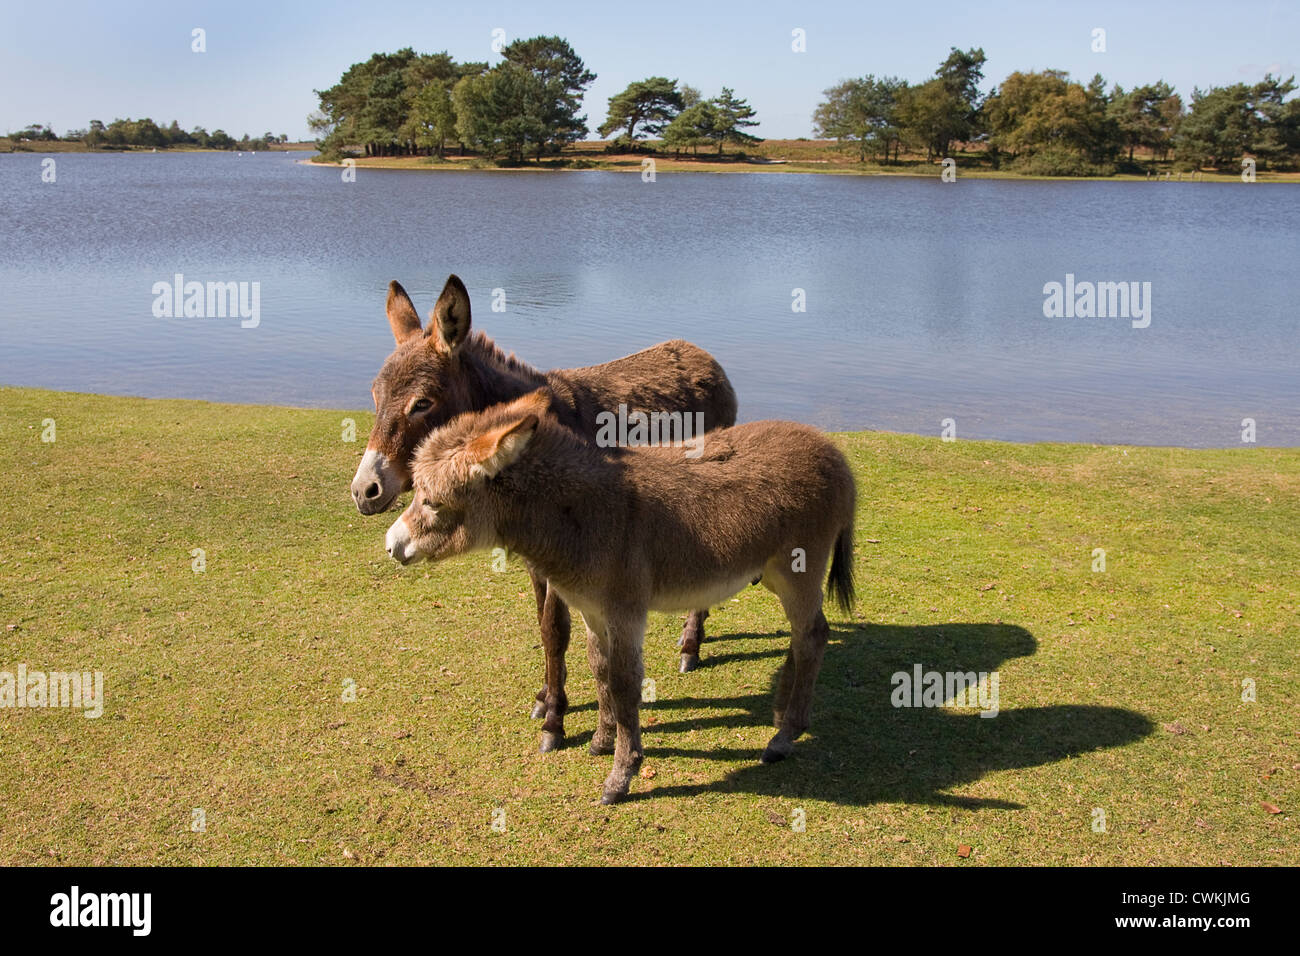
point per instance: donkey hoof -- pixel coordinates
(600, 748)
(778, 748)
(619, 781)
(551, 741)
(539, 710)
(689, 663)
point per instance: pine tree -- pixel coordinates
(733, 117)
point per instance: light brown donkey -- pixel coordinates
(623, 531)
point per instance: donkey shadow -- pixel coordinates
(862, 749)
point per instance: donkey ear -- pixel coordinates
(402, 316)
(450, 325)
(500, 447)
(537, 402)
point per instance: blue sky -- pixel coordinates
(66, 63)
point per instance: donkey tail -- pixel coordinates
(840, 582)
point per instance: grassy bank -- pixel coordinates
(1120, 691)
(788, 156)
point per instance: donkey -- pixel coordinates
(620, 532)
(443, 370)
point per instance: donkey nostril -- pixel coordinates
(373, 490)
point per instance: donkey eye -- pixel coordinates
(422, 405)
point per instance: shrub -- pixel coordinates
(1057, 161)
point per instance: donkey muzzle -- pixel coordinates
(376, 485)
(397, 542)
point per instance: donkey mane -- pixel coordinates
(492, 356)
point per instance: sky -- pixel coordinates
(65, 63)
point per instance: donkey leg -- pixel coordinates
(801, 598)
(556, 628)
(779, 585)
(808, 647)
(539, 595)
(689, 642)
(626, 670)
(602, 741)
(784, 686)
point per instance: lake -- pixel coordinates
(922, 300)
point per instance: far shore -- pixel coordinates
(781, 156)
(422, 164)
(39, 147)
(771, 156)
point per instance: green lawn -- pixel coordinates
(1119, 690)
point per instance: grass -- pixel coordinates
(792, 156)
(1119, 690)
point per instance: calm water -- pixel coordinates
(924, 300)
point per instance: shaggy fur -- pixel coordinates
(620, 532)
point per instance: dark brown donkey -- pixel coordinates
(621, 532)
(442, 371)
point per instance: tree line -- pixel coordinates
(125, 133)
(1042, 122)
(528, 106)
